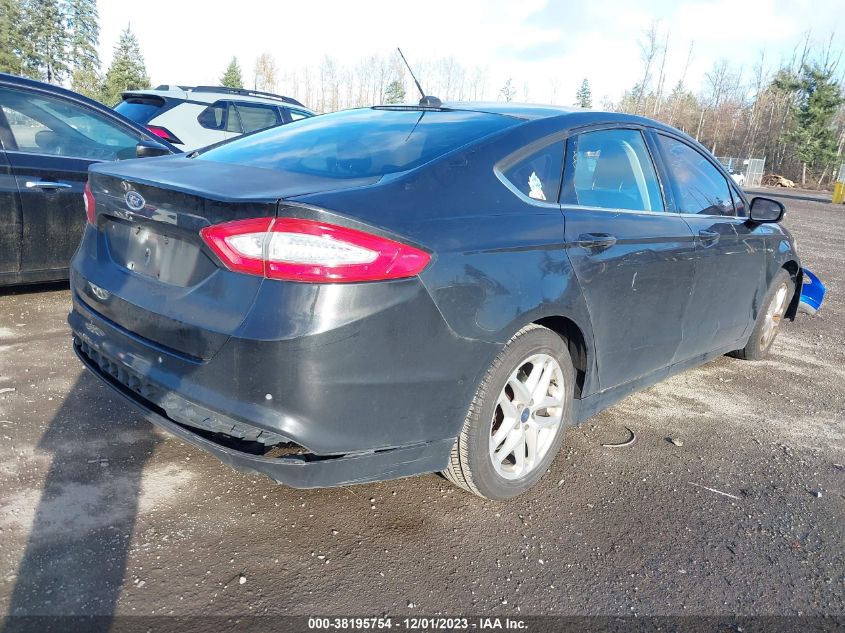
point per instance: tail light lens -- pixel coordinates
(163, 132)
(306, 250)
(90, 211)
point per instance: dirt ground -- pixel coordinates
(102, 514)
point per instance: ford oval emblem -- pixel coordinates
(134, 200)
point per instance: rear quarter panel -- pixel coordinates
(498, 263)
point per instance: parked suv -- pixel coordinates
(192, 117)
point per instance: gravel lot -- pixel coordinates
(102, 514)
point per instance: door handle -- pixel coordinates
(45, 184)
(708, 237)
(596, 241)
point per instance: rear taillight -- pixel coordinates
(163, 132)
(306, 250)
(90, 211)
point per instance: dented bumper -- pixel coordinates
(300, 470)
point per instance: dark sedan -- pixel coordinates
(49, 137)
(397, 290)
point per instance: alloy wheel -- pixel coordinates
(527, 417)
(774, 316)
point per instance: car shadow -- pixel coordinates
(21, 289)
(75, 558)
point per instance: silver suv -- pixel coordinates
(195, 116)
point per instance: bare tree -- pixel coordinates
(649, 49)
(679, 89)
(264, 75)
(661, 78)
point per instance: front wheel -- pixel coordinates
(769, 319)
(516, 421)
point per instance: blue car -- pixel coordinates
(812, 294)
(396, 290)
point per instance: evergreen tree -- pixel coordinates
(84, 29)
(44, 49)
(232, 77)
(127, 70)
(395, 92)
(11, 41)
(819, 98)
(584, 97)
(89, 82)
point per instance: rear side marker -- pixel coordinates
(295, 249)
(90, 212)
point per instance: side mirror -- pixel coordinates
(766, 210)
(149, 148)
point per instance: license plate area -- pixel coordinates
(157, 253)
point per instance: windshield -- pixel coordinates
(359, 143)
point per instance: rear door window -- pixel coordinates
(697, 185)
(257, 116)
(612, 169)
(538, 174)
(296, 115)
(220, 116)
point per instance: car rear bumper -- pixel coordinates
(298, 471)
(377, 391)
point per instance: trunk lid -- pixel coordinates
(150, 272)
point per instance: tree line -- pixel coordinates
(792, 113)
(56, 41)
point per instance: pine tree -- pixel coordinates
(45, 39)
(11, 40)
(232, 77)
(88, 82)
(819, 97)
(395, 92)
(84, 28)
(127, 70)
(584, 97)
(83, 25)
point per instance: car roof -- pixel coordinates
(565, 115)
(535, 112)
(525, 111)
(40, 86)
(210, 94)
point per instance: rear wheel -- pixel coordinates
(770, 318)
(516, 421)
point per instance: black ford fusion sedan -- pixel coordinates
(397, 290)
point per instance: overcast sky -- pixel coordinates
(533, 41)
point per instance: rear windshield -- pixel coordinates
(359, 143)
(140, 109)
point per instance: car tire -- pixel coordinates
(479, 462)
(768, 322)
